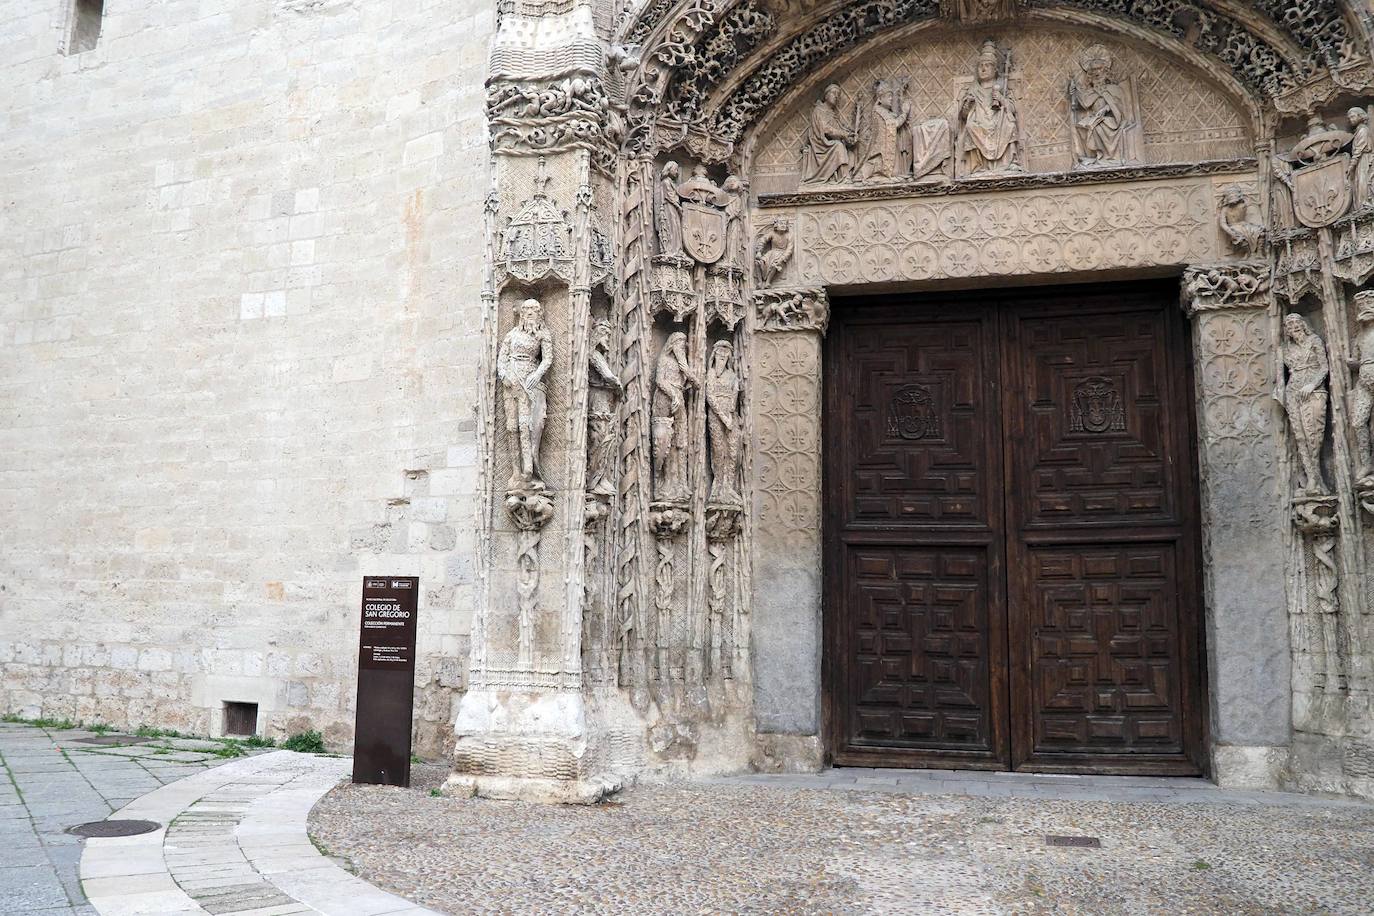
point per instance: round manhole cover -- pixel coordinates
(114, 828)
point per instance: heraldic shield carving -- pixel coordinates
(912, 413)
(1321, 193)
(1096, 407)
(703, 232)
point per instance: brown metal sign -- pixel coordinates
(386, 680)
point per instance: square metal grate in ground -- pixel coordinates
(1082, 842)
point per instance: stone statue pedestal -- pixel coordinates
(526, 746)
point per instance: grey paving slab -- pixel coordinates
(31, 887)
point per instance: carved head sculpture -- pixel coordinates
(1232, 196)
(721, 354)
(1297, 328)
(782, 224)
(601, 335)
(677, 341)
(1096, 64)
(989, 59)
(1357, 117)
(732, 184)
(1364, 305)
(531, 315)
(831, 94)
(671, 170)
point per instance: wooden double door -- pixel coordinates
(1012, 573)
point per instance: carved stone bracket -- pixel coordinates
(1364, 494)
(1210, 287)
(1297, 264)
(670, 286)
(530, 510)
(722, 522)
(1354, 247)
(725, 294)
(803, 308)
(1316, 515)
(668, 519)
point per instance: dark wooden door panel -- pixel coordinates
(1011, 544)
(917, 434)
(922, 655)
(1095, 420)
(1105, 661)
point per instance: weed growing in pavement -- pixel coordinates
(44, 722)
(259, 741)
(311, 742)
(435, 793)
(1200, 865)
(147, 731)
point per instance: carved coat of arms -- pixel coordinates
(1096, 407)
(913, 413)
(703, 231)
(1321, 193)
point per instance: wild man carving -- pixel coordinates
(723, 428)
(988, 131)
(1362, 392)
(1246, 237)
(672, 375)
(772, 251)
(524, 359)
(1304, 398)
(1106, 119)
(604, 387)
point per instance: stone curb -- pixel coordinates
(256, 856)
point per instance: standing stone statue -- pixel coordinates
(672, 375)
(524, 359)
(886, 145)
(1361, 158)
(772, 251)
(1362, 394)
(604, 387)
(668, 211)
(1304, 398)
(1106, 120)
(987, 119)
(827, 146)
(722, 432)
(732, 199)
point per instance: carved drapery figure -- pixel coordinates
(772, 251)
(732, 198)
(523, 360)
(1281, 215)
(885, 141)
(1106, 119)
(987, 118)
(668, 211)
(723, 433)
(1362, 393)
(827, 146)
(1361, 158)
(1246, 237)
(604, 387)
(930, 147)
(672, 375)
(1304, 397)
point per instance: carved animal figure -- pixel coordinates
(1305, 396)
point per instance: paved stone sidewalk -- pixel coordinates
(54, 779)
(865, 841)
(234, 842)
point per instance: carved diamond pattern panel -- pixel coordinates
(1184, 116)
(1025, 232)
(919, 657)
(1096, 442)
(1105, 671)
(918, 448)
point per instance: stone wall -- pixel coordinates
(241, 251)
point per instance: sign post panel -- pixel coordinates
(386, 680)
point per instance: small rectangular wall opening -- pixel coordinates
(87, 16)
(240, 719)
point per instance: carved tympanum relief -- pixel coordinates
(1158, 112)
(1104, 113)
(989, 135)
(1305, 397)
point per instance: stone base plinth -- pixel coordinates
(533, 789)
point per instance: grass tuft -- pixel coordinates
(309, 742)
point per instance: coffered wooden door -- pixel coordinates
(1011, 546)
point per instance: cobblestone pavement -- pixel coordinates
(864, 841)
(54, 779)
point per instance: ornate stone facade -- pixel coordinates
(658, 611)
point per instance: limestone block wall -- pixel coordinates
(240, 255)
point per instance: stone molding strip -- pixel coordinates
(235, 840)
(1029, 181)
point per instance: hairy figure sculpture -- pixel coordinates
(524, 359)
(1304, 397)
